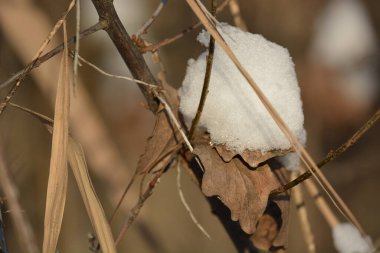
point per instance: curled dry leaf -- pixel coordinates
(243, 189)
(272, 228)
(253, 158)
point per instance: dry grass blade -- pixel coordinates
(22, 226)
(77, 33)
(57, 181)
(93, 206)
(78, 165)
(209, 23)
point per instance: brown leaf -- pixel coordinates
(253, 158)
(242, 189)
(164, 136)
(272, 228)
(159, 143)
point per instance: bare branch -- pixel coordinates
(206, 82)
(127, 49)
(332, 154)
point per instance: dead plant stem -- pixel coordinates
(206, 82)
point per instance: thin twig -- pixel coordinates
(101, 71)
(21, 223)
(179, 35)
(131, 181)
(150, 166)
(307, 232)
(187, 207)
(51, 53)
(76, 52)
(39, 52)
(134, 212)
(143, 30)
(208, 21)
(206, 80)
(332, 155)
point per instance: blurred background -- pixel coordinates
(334, 45)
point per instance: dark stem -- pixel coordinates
(331, 155)
(3, 243)
(206, 81)
(127, 49)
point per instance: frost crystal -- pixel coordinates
(347, 239)
(233, 114)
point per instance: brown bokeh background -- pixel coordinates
(164, 225)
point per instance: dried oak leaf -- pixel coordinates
(253, 158)
(164, 139)
(272, 229)
(242, 189)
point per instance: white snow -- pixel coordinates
(291, 161)
(233, 114)
(345, 40)
(347, 239)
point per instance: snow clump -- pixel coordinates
(347, 239)
(233, 114)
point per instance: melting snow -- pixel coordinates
(233, 114)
